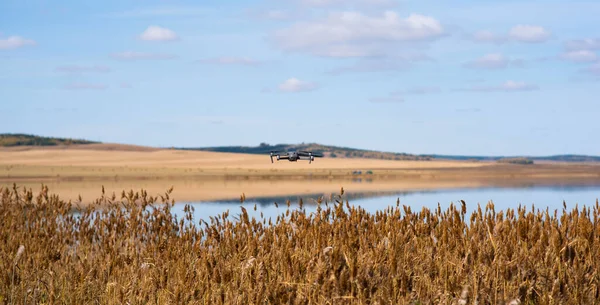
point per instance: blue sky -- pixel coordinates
(430, 76)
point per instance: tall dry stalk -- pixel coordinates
(132, 249)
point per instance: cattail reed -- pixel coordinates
(133, 250)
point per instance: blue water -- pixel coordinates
(503, 198)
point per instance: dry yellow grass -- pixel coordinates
(132, 250)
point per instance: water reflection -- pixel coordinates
(549, 197)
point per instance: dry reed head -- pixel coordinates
(134, 250)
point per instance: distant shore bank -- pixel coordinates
(205, 176)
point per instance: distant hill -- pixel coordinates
(17, 139)
(554, 158)
(347, 152)
(326, 150)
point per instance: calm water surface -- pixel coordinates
(503, 198)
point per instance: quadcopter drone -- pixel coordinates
(294, 156)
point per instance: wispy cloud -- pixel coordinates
(371, 66)
(232, 60)
(589, 44)
(529, 33)
(493, 61)
(15, 42)
(593, 69)
(381, 64)
(489, 37)
(172, 11)
(419, 90)
(295, 85)
(274, 14)
(387, 99)
(82, 69)
(349, 3)
(398, 95)
(85, 86)
(509, 86)
(157, 33)
(580, 56)
(518, 33)
(132, 55)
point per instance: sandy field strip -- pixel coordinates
(199, 159)
(197, 175)
(74, 164)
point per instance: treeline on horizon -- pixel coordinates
(326, 150)
(347, 152)
(18, 139)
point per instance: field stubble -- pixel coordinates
(132, 249)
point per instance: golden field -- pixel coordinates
(196, 175)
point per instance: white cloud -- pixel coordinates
(580, 56)
(14, 42)
(82, 69)
(529, 33)
(295, 85)
(85, 86)
(132, 55)
(353, 34)
(157, 33)
(493, 61)
(225, 60)
(509, 86)
(518, 33)
(583, 44)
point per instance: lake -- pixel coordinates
(541, 197)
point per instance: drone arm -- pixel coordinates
(310, 154)
(275, 153)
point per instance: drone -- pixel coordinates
(294, 156)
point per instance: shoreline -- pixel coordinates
(194, 190)
(205, 176)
